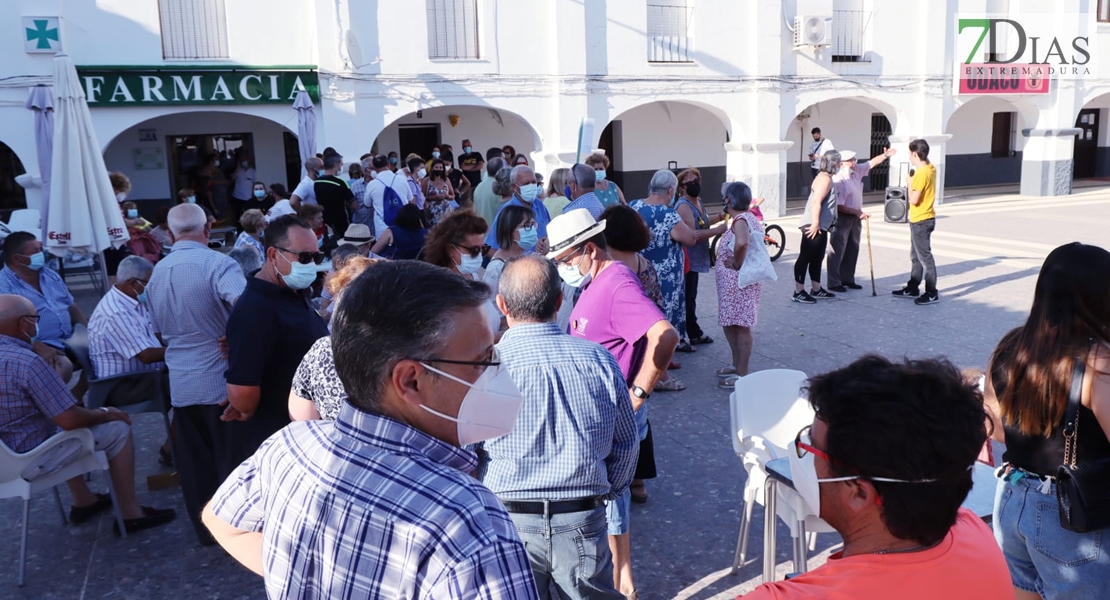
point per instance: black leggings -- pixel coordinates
(810, 256)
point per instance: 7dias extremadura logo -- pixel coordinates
(1020, 54)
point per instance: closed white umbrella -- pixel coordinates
(306, 126)
(41, 102)
(84, 216)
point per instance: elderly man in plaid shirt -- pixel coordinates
(380, 502)
(575, 444)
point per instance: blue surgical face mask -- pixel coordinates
(566, 191)
(571, 276)
(435, 154)
(392, 160)
(468, 149)
(259, 193)
(191, 199)
(528, 238)
(529, 192)
(244, 164)
(132, 213)
(321, 173)
(300, 276)
(34, 338)
(38, 261)
(141, 296)
(600, 174)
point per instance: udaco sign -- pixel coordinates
(988, 78)
(146, 86)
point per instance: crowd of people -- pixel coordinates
(457, 405)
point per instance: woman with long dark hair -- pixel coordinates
(1029, 381)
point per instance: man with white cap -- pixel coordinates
(614, 312)
(844, 242)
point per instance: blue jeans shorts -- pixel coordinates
(617, 511)
(1043, 557)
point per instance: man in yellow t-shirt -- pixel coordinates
(923, 220)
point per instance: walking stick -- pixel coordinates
(870, 260)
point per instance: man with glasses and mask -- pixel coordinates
(526, 193)
(581, 185)
(614, 312)
(380, 502)
(887, 463)
(190, 296)
(24, 275)
(121, 335)
(271, 328)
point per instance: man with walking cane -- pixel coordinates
(844, 244)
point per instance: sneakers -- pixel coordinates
(927, 298)
(823, 294)
(803, 297)
(906, 292)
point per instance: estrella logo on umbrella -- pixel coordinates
(115, 232)
(54, 236)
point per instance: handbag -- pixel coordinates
(1082, 491)
(757, 263)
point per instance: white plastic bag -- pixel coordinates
(757, 263)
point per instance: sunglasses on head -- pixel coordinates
(305, 257)
(474, 251)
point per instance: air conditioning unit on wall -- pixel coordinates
(814, 31)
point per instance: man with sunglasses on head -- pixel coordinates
(270, 330)
(380, 503)
(614, 312)
(190, 296)
(887, 463)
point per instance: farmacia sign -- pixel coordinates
(146, 86)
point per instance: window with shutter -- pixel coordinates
(193, 29)
(669, 30)
(849, 23)
(453, 29)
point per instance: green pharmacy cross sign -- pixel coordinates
(151, 86)
(41, 34)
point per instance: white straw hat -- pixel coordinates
(570, 229)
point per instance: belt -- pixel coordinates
(556, 507)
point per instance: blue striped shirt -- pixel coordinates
(575, 436)
(368, 507)
(119, 330)
(191, 293)
(52, 303)
(587, 201)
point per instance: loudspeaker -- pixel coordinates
(896, 206)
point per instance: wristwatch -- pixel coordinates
(640, 393)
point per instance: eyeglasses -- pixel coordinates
(33, 318)
(494, 361)
(527, 225)
(803, 448)
(566, 259)
(305, 257)
(474, 251)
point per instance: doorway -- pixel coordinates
(879, 178)
(1084, 154)
(417, 139)
(189, 157)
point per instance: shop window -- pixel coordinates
(1002, 135)
(193, 29)
(12, 196)
(453, 29)
(1103, 11)
(670, 29)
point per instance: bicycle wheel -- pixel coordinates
(713, 252)
(775, 239)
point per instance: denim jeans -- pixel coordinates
(569, 551)
(1042, 556)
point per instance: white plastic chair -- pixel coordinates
(767, 411)
(12, 483)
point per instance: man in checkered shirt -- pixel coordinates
(380, 502)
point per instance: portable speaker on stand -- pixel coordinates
(896, 204)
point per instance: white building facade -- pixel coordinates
(717, 84)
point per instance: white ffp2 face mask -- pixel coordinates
(488, 410)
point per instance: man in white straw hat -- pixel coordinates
(614, 312)
(359, 235)
(844, 242)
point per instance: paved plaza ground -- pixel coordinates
(988, 247)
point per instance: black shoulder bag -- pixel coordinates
(1083, 491)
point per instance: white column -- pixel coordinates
(1046, 163)
(761, 165)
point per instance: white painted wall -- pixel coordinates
(847, 123)
(659, 132)
(154, 184)
(972, 125)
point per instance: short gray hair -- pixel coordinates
(368, 163)
(531, 288)
(332, 161)
(374, 327)
(662, 181)
(519, 170)
(738, 195)
(247, 258)
(830, 162)
(494, 165)
(134, 267)
(185, 219)
(503, 182)
(584, 176)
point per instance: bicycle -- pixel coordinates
(773, 237)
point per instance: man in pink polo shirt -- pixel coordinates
(614, 312)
